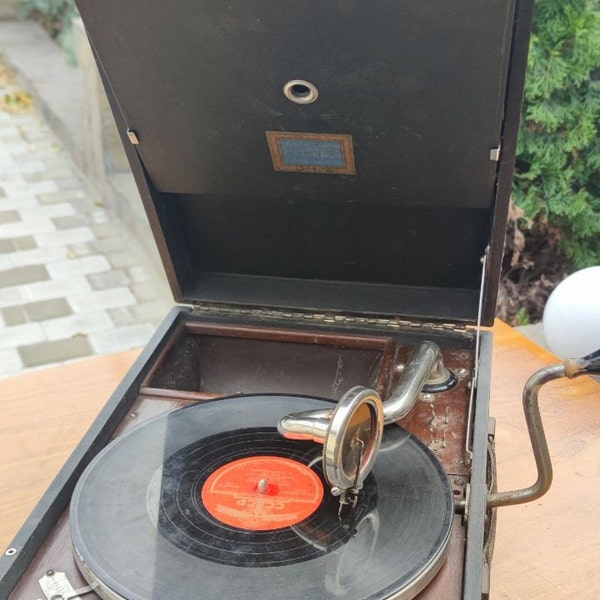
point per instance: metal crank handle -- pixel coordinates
(572, 367)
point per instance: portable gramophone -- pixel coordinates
(327, 184)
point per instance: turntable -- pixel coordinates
(328, 187)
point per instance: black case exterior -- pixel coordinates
(426, 91)
(409, 227)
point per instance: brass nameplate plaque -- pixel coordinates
(312, 152)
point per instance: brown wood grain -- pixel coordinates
(549, 548)
(44, 415)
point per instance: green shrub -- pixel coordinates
(557, 177)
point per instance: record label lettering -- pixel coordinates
(261, 493)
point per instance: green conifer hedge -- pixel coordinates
(557, 179)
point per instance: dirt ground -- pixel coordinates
(532, 267)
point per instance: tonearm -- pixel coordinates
(351, 432)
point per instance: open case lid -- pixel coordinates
(380, 197)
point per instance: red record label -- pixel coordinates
(261, 493)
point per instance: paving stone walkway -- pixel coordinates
(72, 284)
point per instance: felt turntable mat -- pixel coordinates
(141, 526)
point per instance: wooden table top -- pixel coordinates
(547, 549)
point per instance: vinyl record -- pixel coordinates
(209, 501)
(256, 538)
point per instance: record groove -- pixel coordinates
(133, 542)
(186, 523)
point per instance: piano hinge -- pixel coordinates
(330, 318)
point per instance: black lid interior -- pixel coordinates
(419, 86)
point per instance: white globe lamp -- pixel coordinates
(572, 315)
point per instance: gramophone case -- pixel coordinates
(328, 185)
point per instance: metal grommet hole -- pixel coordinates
(11, 552)
(300, 91)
